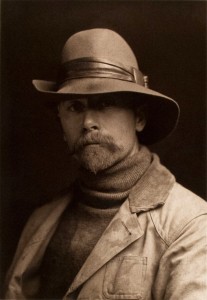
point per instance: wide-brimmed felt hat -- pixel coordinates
(99, 61)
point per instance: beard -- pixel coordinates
(96, 152)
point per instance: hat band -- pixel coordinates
(87, 67)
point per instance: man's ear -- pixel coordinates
(140, 119)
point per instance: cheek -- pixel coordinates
(124, 131)
(71, 132)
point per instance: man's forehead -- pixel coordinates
(82, 99)
(86, 98)
(106, 100)
(103, 101)
(113, 98)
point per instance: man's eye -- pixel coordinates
(106, 103)
(75, 107)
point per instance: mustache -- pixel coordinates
(96, 138)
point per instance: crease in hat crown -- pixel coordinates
(99, 42)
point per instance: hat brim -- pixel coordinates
(162, 115)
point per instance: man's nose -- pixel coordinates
(90, 120)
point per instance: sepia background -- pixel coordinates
(169, 40)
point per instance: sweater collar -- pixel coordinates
(112, 186)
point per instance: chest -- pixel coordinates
(128, 275)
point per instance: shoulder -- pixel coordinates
(41, 214)
(182, 198)
(51, 205)
(181, 209)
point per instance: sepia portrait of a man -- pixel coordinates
(104, 150)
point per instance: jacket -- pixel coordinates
(155, 248)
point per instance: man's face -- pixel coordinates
(100, 131)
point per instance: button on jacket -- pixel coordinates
(155, 248)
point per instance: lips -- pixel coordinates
(91, 144)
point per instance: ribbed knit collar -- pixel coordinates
(112, 186)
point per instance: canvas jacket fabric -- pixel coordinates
(155, 248)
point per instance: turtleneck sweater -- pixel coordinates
(114, 184)
(97, 198)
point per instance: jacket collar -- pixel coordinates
(152, 189)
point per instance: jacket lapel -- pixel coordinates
(45, 231)
(123, 230)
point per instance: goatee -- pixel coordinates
(96, 152)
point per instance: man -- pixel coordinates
(126, 229)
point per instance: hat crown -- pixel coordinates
(100, 43)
